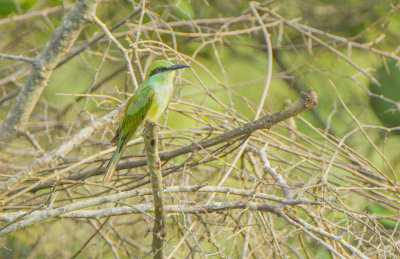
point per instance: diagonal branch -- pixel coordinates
(64, 149)
(306, 101)
(60, 43)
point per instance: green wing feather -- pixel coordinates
(135, 112)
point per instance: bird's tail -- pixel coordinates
(112, 165)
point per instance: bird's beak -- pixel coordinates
(175, 67)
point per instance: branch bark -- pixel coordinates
(26, 219)
(306, 101)
(55, 155)
(154, 165)
(64, 212)
(60, 43)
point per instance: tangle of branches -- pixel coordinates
(251, 166)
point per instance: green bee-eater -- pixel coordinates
(149, 101)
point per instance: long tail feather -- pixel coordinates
(112, 165)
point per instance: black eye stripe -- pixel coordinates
(158, 70)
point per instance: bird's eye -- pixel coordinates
(157, 70)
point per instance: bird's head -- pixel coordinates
(163, 67)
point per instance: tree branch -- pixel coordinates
(154, 164)
(306, 101)
(63, 212)
(197, 209)
(65, 148)
(60, 43)
(41, 215)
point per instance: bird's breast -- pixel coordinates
(162, 95)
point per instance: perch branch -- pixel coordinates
(306, 101)
(154, 165)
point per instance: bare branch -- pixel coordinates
(233, 177)
(64, 149)
(35, 13)
(20, 58)
(308, 34)
(154, 164)
(121, 48)
(306, 101)
(59, 44)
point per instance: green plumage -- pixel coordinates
(150, 100)
(135, 112)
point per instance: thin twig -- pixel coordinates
(121, 48)
(64, 149)
(20, 58)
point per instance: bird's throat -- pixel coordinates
(162, 95)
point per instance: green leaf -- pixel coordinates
(387, 112)
(185, 9)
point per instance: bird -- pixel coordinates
(148, 102)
